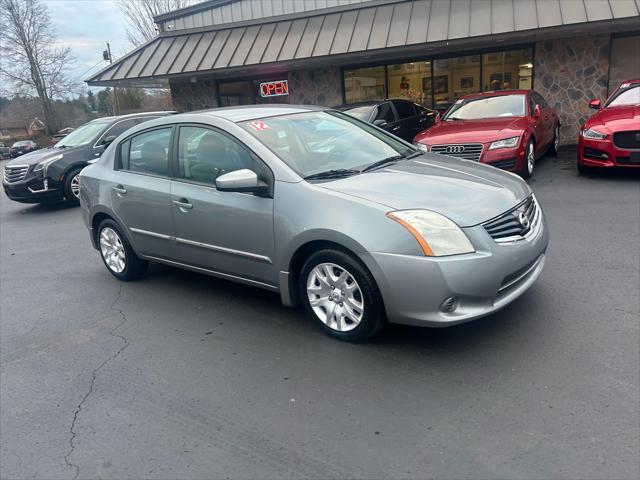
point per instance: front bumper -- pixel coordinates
(509, 159)
(604, 154)
(415, 289)
(34, 188)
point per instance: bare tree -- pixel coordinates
(139, 15)
(31, 60)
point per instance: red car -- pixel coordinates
(508, 129)
(611, 138)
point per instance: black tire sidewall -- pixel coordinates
(134, 267)
(374, 316)
(68, 194)
(524, 173)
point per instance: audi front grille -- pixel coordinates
(515, 224)
(15, 173)
(468, 151)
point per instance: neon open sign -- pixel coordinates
(276, 88)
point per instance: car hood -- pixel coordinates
(467, 192)
(615, 119)
(38, 156)
(466, 131)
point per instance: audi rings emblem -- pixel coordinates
(454, 149)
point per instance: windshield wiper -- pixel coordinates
(389, 161)
(337, 173)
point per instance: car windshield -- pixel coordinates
(630, 96)
(487, 107)
(315, 142)
(23, 143)
(361, 113)
(82, 135)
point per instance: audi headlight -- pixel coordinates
(504, 143)
(46, 163)
(421, 146)
(437, 235)
(593, 135)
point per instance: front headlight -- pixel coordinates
(422, 146)
(436, 234)
(593, 135)
(46, 163)
(504, 143)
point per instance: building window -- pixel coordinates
(247, 92)
(454, 78)
(411, 81)
(364, 84)
(507, 70)
(622, 67)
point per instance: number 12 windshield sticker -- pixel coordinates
(258, 126)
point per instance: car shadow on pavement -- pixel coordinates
(45, 208)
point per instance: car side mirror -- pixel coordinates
(380, 123)
(244, 180)
(438, 118)
(595, 103)
(108, 140)
(537, 112)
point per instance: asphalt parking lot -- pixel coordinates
(180, 375)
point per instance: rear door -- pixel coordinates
(408, 120)
(140, 190)
(544, 123)
(227, 232)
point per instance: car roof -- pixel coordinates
(249, 112)
(372, 103)
(630, 82)
(132, 115)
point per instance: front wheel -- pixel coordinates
(341, 296)
(117, 254)
(530, 161)
(72, 186)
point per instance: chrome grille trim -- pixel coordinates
(470, 151)
(15, 173)
(507, 228)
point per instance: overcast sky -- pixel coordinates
(85, 25)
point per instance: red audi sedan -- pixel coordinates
(508, 129)
(611, 137)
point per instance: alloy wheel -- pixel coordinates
(531, 158)
(556, 140)
(112, 250)
(75, 185)
(335, 297)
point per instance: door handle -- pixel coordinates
(395, 128)
(183, 204)
(119, 189)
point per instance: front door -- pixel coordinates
(140, 191)
(227, 232)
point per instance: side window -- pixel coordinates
(404, 109)
(147, 152)
(385, 112)
(119, 128)
(539, 100)
(205, 154)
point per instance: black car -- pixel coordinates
(403, 118)
(22, 147)
(51, 174)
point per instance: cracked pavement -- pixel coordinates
(180, 375)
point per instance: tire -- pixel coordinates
(357, 310)
(582, 170)
(530, 160)
(72, 187)
(117, 254)
(553, 148)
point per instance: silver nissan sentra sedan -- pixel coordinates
(335, 214)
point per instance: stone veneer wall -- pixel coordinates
(316, 87)
(194, 96)
(568, 73)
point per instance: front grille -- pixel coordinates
(15, 174)
(468, 151)
(627, 161)
(516, 223)
(507, 164)
(629, 140)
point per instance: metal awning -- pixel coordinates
(321, 37)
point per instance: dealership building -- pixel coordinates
(329, 52)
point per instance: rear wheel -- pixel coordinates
(117, 254)
(341, 296)
(553, 148)
(72, 186)
(530, 160)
